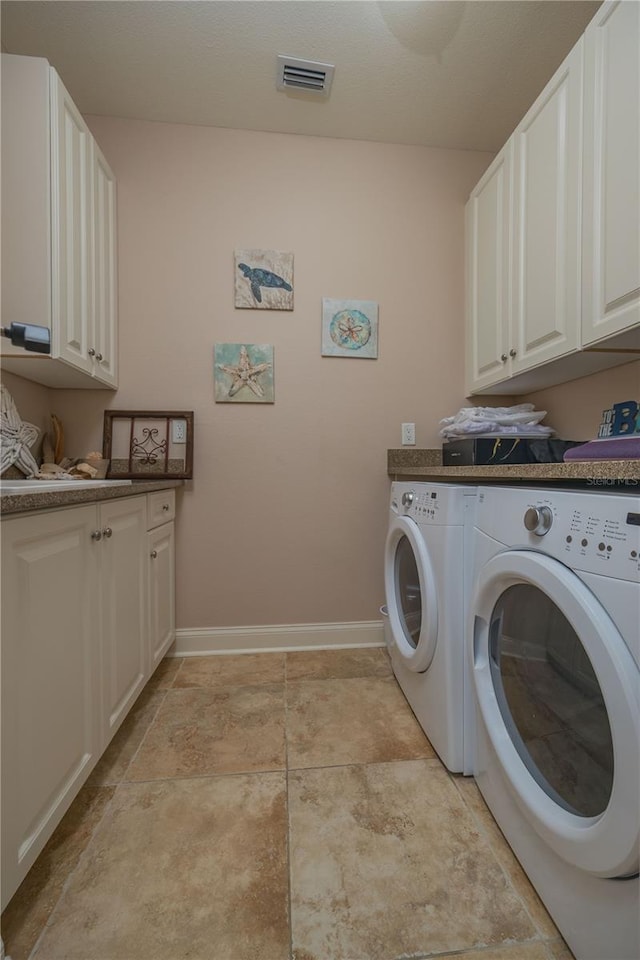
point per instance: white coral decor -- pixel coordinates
(16, 437)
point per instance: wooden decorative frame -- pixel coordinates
(141, 444)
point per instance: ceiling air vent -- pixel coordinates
(304, 75)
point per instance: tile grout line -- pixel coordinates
(286, 778)
(145, 735)
(540, 936)
(116, 785)
(72, 872)
(478, 952)
(90, 841)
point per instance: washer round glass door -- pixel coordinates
(410, 594)
(558, 691)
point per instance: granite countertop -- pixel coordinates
(415, 464)
(28, 502)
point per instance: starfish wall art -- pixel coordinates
(263, 279)
(243, 373)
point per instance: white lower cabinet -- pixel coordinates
(87, 614)
(122, 525)
(161, 566)
(50, 677)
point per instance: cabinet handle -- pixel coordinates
(107, 532)
(504, 357)
(512, 352)
(153, 554)
(96, 535)
(99, 357)
(165, 506)
(91, 352)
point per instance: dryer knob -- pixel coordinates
(538, 520)
(407, 498)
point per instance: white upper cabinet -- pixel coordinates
(488, 238)
(570, 277)
(523, 240)
(611, 211)
(547, 147)
(70, 225)
(104, 348)
(58, 231)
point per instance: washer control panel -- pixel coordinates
(431, 503)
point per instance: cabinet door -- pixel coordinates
(545, 312)
(70, 224)
(104, 343)
(26, 194)
(162, 591)
(611, 233)
(50, 697)
(122, 607)
(488, 243)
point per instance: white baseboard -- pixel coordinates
(208, 641)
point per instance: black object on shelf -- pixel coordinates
(483, 451)
(31, 337)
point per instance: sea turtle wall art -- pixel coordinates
(263, 279)
(349, 328)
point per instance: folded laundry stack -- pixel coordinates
(499, 435)
(518, 421)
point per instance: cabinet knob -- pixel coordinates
(512, 352)
(107, 532)
(153, 554)
(96, 535)
(91, 352)
(503, 357)
(99, 357)
(165, 506)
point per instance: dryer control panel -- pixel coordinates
(593, 533)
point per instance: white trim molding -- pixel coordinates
(208, 641)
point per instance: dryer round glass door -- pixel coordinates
(410, 594)
(558, 690)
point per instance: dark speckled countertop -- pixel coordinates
(28, 502)
(415, 464)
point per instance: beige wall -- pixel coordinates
(285, 519)
(575, 409)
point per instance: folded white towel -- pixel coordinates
(517, 420)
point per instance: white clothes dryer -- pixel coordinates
(427, 568)
(555, 660)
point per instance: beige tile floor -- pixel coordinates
(277, 807)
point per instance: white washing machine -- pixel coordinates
(427, 568)
(555, 654)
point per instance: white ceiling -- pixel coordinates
(444, 73)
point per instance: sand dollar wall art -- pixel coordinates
(263, 279)
(243, 373)
(349, 328)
